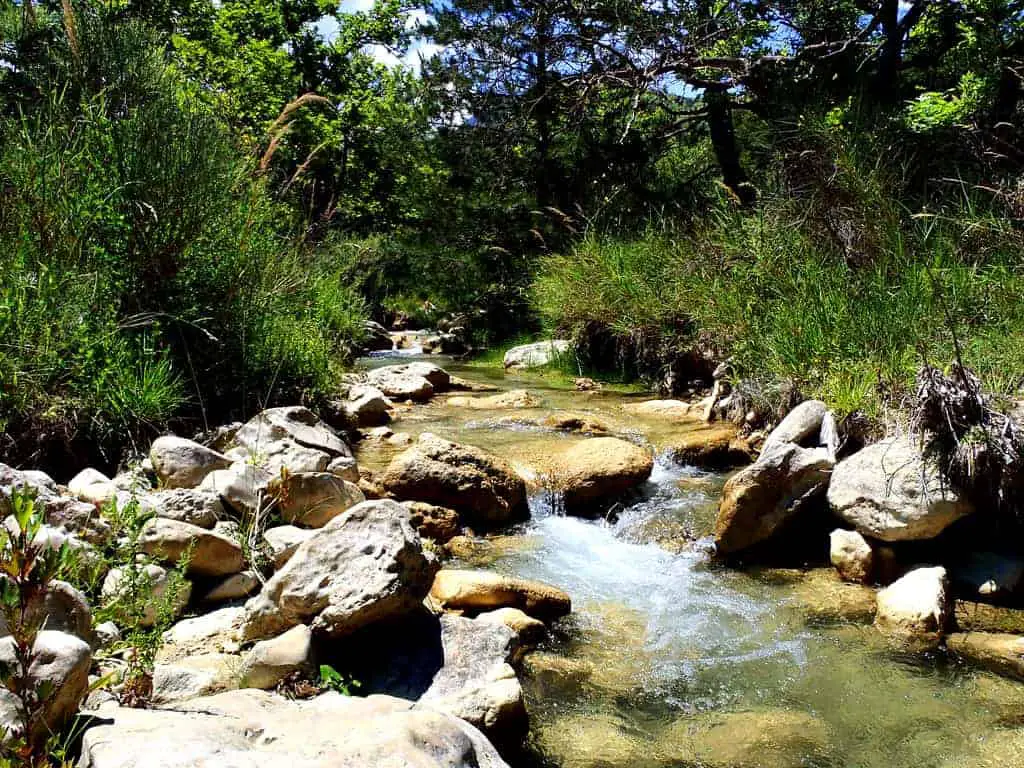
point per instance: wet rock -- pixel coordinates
(536, 355)
(582, 423)
(597, 740)
(997, 748)
(801, 426)
(367, 406)
(164, 588)
(757, 739)
(290, 423)
(715, 446)
(477, 591)
(269, 662)
(433, 522)
(60, 663)
(379, 731)
(824, 599)
(988, 576)
(851, 555)
(888, 492)
(364, 566)
(667, 410)
(759, 499)
(181, 463)
(242, 486)
(192, 506)
(981, 617)
(283, 540)
(516, 398)
(211, 554)
(593, 473)
(312, 499)
(917, 606)
(482, 488)
(999, 652)
(457, 384)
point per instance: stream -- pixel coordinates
(669, 659)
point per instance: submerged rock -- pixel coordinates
(482, 488)
(1000, 652)
(890, 492)
(516, 398)
(255, 729)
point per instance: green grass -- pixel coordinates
(765, 288)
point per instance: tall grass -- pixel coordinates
(146, 273)
(767, 289)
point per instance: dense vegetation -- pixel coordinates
(203, 201)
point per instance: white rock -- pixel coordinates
(182, 463)
(537, 354)
(851, 555)
(916, 606)
(800, 424)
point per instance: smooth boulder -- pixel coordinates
(888, 491)
(477, 591)
(482, 488)
(295, 423)
(202, 508)
(365, 566)
(269, 662)
(60, 664)
(593, 473)
(367, 406)
(312, 499)
(255, 729)
(209, 553)
(536, 355)
(761, 498)
(917, 606)
(801, 426)
(851, 555)
(182, 463)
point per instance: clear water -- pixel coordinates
(669, 660)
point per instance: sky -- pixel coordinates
(420, 50)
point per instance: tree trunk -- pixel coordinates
(723, 141)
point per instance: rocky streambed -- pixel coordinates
(510, 572)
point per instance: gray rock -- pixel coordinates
(759, 499)
(364, 566)
(60, 662)
(213, 631)
(283, 540)
(344, 467)
(269, 662)
(181, 463)
(92, 486)
(211, 554)
(194, 676)
(312, 499)
(201, 508)
(535, 355)
(242, 486)
(233, 587)
(288, 455)
(889, 492)
(802, 426)
(367, 406)
(400, 385)
(334, 730)
(292, 422)
(482, 488)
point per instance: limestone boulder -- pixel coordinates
(243, 487)
(761, 498)
(61, 608)
(801, 426)
(60, 664)
(210, 553)
(165, 589)
(283, 540)
(711, 446)
(594, 473)
(233, 587)
(92, 486)
(269, 662)
(917, 606)
(433, 522)
(201, 508)
(312, 499)
(365, 566)
(478, 591)
(482, 488)
(182, 463)
(367, 406)
(888, 491)
(330, 730)
(536, 355)
(193, 676)
(851, 555)
(413, 381)
(295, 423)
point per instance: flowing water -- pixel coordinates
(671, 660)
